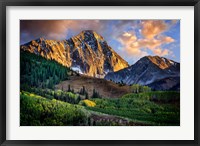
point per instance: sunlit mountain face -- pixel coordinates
(162, 62)
(87, 53)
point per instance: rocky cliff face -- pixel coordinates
(87, 53)
(149, 70)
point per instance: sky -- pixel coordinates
(131, 39)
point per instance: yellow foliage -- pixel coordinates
(89, 103)
(31, 95)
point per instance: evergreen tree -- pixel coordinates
(95, 94)
(83, 90)
(69, 88)
(86, 96)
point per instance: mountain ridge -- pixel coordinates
(146, 71)
(88, 53)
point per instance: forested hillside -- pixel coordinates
(42, 104)
(35, 71)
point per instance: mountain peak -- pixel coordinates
(161, 62)
(40, 39)
(88, 53)
(153, 57)
(88, 31)
(91, 34)
(147, 70)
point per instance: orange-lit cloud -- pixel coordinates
(152, 40)
(130, 38)
(152, 28)
(161, 52)
(127, 39)
(152, 43)
(135, 47)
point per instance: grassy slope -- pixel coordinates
(153, 108)
(165, 110)
(39, 111)
(105, 88)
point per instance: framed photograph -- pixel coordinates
(99, 72)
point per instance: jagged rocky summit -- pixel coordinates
(87, 53)
(159, 73)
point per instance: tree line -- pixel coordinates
(36, 71)
(136, 88)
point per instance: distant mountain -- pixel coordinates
(87, 53)
(170, 83)
(159, 73)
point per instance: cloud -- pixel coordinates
(57, 29)
(60, 29)
(127, 38)
(152, 43)
(135, 47)
(161, 52)
(152, 28)
(135, 38)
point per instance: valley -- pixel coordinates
(82, 81)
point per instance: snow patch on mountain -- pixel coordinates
(77, 69)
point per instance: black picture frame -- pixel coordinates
(5, 3)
